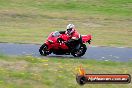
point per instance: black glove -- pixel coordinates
(59, 40)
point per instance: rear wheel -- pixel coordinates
(43, 50)
(80, 52)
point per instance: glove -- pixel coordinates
(59, 40)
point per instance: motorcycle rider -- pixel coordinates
(74, 37)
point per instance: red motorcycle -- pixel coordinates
(56, 44)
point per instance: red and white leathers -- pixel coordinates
(74, 35)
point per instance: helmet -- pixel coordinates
(70, 29)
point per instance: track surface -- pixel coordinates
(99, 53)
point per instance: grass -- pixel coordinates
(30, 21)
(31, 72)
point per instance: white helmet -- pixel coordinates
(70, 29)
(70, 26)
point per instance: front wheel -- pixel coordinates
(80, 52)
(43, 50)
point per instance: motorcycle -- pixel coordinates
(56, 44)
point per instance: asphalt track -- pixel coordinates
(121, 54)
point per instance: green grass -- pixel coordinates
(30, 72)
(30, 21)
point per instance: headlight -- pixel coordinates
(50, 41)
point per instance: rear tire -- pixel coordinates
(43, 50)
(80, 52)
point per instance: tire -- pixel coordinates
(80, 52)
(43, 50)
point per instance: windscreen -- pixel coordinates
(56, 34)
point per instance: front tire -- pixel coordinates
(43, 50)
(80, 52)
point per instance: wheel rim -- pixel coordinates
(43, 50)
(79, 52)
